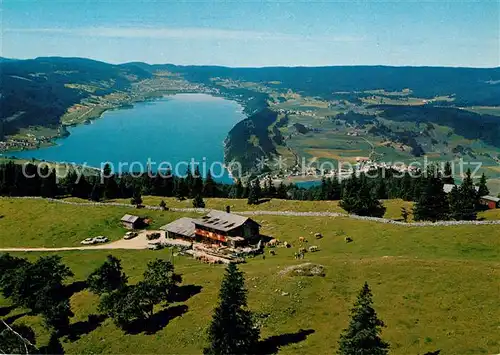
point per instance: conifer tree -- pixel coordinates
(232, 330)
(95, 193)
(358, 198)
(136, 198)
(258, 190)
(282, 191)
(362, 336)
(209, 187)
(381, 189)
(406, 188)
(237, 190)
(448, 174)
(168, 183)
(48, 186)
(455, 201)
(188, 183)
(483, 188)
(432, 203)
(68, 183)
(253, 193)
(106, 171)
(198, 202)
(271, 189)
(197, 185)
(469, 198)
(323, 191)
(82, 188)
(334, 191)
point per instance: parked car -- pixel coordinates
(153, 236)
(88, 241)
(130, 235)
(156, 245)
(101, 239)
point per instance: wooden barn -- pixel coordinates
(490, 202)
(131, 222)
(226, 228)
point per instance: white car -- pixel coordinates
(101, 239)
(88, 241)
(130, 235)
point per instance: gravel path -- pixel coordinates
(139, 242)
(279, 213)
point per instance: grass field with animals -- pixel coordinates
(446, 307)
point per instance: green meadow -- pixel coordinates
(434, 287)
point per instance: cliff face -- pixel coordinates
(249, 141)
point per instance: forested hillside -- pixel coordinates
(470, 86)
(39, 91)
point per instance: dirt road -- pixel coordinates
(139, 242)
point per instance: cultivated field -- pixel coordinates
(435, 287)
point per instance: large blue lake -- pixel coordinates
(174, 129)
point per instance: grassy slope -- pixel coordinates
(436, 288)
(50, 224)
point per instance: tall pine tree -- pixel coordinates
(362, 337)
(232, 330)
(448, 174)
(483, 189)
(469, 198)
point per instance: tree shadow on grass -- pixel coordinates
(157, 322)
(75, 287)
(272, 344)
(185, 292)
(262, 200)
(6, 310)
(76, 330)
(12, 319)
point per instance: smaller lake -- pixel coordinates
(175, 129)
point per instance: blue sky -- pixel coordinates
(256, 33)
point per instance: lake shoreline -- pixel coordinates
(170, 125)
(65, 133)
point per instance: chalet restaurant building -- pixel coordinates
(216, 227)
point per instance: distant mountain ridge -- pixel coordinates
(38, 92)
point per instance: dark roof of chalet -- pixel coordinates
(222, 221)
(182, 226)
(491, 198)
(130, 219)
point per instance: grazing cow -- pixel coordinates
(348, 239)
(272, 242)
(318, 235)
(302, 250)
(287, 245)
(313, 248)
(301, 239)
